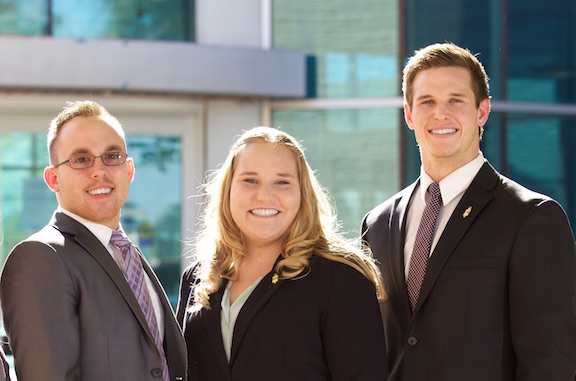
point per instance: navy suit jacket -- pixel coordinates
(70, 314)
(323, 326)
(498, 298)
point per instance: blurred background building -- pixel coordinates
(185, 77)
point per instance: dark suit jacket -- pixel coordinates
(324, 326)
(70, 314)
(5, 368)
(497, 301)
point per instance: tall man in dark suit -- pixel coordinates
(69, 311)
(493, 297)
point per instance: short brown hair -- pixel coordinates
(76, 109)
(445, 55)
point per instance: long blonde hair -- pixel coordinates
(218, 245)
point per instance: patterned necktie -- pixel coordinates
(423, 243)
(134, 274)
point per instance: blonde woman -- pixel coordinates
(277, 293)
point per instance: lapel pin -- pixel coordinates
(467, 212)
(275, 278)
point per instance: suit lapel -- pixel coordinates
(261, 294)
(211, 324)
(397, 231)
(95, 248)
(477, 196)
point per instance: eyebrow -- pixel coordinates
(111, 148)
(254, 173)
(453, 94)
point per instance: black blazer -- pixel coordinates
(70, 314)
(324, 326)
(497, 301)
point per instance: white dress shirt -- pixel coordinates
(452, 188)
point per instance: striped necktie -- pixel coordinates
(134, 274)
(423, 243)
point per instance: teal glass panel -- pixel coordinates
(130, 19)
(354, 44)
(152, 213)
(24, 18)
(354, 154)
(151, 216)
(541, 155)
(542, 58)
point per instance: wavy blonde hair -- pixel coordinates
(218, 246)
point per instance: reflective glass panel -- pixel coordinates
(24, 18)
(541, 155)
(352, 44)
(132, 19)
(122, 19)
(542, 58)
(353, 152)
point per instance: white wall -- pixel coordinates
(229, 23)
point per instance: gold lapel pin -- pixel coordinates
(275, 278)
(467, 212)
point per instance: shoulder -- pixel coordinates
(520, 193)
(383, 210)
(47, 240)
(513, 196)
(328, 270)
(190, 276)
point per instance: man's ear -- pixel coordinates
(51, 178)
(483, 112)
(131, 169)
(408, 116)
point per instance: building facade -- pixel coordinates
(185, 77)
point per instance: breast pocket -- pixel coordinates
(473, 263)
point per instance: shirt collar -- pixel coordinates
(102, 232)
(456, 182)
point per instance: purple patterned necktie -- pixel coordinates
(134, 274)
(423, 243)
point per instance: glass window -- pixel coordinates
(134, 19)
(151, 216)
(25, 18)
(353, 152)
(541, 157)
(542, 59)
(353, 43)
(124, 19)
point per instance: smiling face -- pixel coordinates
(264, 194)
(445, 119)
(96, 193)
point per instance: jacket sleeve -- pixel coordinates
(38, 298)
(352, 329)
(542, 284)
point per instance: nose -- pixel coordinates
(264, 192)
(440, 112)
(98, 168)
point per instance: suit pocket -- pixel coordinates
(473, 263)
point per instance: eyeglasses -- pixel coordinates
(83, 161)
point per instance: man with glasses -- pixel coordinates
(79, 301)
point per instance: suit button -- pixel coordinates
(412, 341)
(156, 372)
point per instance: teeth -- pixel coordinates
(444, 131)
(264, 212)
(100, 191)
